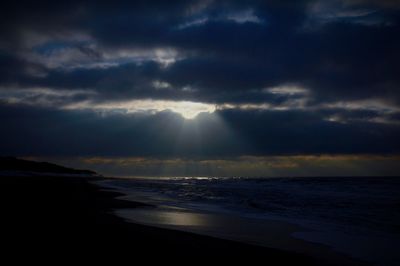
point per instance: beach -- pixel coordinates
(256, 132)
(60, 218)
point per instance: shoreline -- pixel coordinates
(268, 233)
(263, 233)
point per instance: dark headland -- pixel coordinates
(58, 218)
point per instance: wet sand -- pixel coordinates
(266, 233)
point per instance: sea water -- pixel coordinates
(357, 216)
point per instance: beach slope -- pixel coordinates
(68, 218)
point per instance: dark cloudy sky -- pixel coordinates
(204, 87)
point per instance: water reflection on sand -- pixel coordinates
(269, 233)
(164, 217)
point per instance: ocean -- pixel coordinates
(355, 216)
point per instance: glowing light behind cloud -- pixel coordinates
(187, 109)
(298, 98)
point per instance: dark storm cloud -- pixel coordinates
(342, 59)
(44, 132)
(336, 57)
(29, 130)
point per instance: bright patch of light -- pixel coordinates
(193, 23)
(186, 109)
(190, 110)
(245, 16)
(287, 90)
(159, 85)
(164, 56)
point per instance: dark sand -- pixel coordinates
(67, 219)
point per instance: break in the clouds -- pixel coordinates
(200, 79)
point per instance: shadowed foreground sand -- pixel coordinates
(58, 219)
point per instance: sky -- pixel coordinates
(199, 88)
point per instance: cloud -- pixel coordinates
(29, 130)
(287, 90)
(239, 17)
(187, 109)
(287, 98)
(42, 97)
(257, 77)
(265, 56)
(329, 12)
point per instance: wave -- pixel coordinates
(372, 202)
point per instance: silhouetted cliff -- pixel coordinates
(14, 164)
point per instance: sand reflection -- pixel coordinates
(164, 217)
